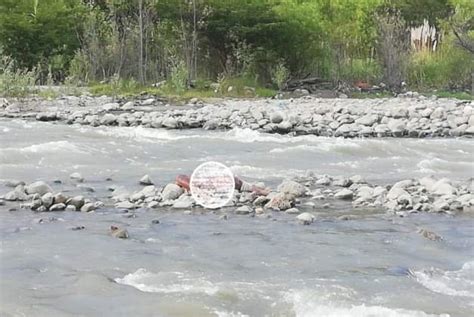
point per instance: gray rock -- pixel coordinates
(183, 202)
(148, 102)
(367, 120)
(41, 209)
(76, 176)
(305, 218)
(171, 192)
(77, 202)
(88, 207)
(293, 188)
(39, 187)
(345, 194)
(170, 123)
(440, 205)
(293, 211)
(342, 182)
(110, 106)
(57, 207)
(48, 200)
(261, 200)
(153, 204)
(396, 192)
(71, 208)
(17, 194)
(108, 119)
(276, 117)
(36, 203)
(243, 210)
(357, 179)
(442, 187)
(281, 201)
(60, 198)
(146, 180)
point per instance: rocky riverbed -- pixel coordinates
(91, 222)
(409, 115)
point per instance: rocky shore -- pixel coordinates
(302, 197)
(409, 115)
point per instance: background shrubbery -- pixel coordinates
(260, 44)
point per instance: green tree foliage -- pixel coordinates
(147, 41)
(40, 32)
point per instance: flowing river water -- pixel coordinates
(201, 265)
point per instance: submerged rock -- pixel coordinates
(77, 177)
(119, 233)
(305, 218)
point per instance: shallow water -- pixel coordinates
(199, 265)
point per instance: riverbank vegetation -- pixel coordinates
(233, 47)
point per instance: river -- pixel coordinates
(201, 265)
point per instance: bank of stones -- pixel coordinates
(394, 117)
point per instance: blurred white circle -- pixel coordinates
(212, 185)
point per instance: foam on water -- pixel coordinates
(167, 282)
(451, 283)
(308, 304)
(48, 147)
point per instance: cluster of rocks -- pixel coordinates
(39, 196)
(426, 194)
(302, 195)
(413, 116)
(299, 197)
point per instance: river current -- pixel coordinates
(201, 265)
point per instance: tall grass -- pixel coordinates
(16, 82)
(449, 68)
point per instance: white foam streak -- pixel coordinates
(306, 304)
(167, 282)
(451, 283)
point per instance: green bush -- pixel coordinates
(16, 82)
(280, 75)
(179, 77)
(448, 68)
(367, 70)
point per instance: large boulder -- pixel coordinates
(39, 188)
(293, 188)
(171, 192)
